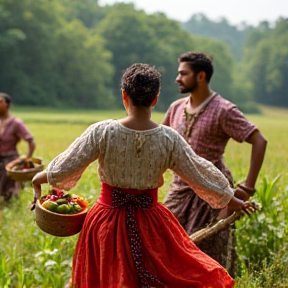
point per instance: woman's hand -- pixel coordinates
(237, 204)
(38, 179)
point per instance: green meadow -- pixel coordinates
(31, 258)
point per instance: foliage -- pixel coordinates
(87, 76)
(266, 55)
(34, 258)
(132, 36)
(273, 275)
(70, 53)
(233, 36)
(261, 236)
(128, 37)
(56, 61)
(86, 11)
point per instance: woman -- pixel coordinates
(128, 238)
(12, 130)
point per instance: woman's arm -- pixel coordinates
(201, 175)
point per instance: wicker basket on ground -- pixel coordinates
(61, 225)
(22, 175)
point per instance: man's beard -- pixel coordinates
(190, 89)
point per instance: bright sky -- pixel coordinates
(235, 11)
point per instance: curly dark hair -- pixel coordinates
(142, 83)
(7, 98)
(198, 62)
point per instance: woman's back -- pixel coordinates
(127, 158)
(135, 159)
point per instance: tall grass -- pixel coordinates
(32, 258)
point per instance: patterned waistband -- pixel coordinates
(117, 197)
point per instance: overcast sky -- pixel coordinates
(235, 11)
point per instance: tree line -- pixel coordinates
(71, 53)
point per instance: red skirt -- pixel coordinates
(105, 251)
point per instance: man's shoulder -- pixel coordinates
(19, 123)
(18, 120)
(21, 129)
(222, 103)
(14, 120)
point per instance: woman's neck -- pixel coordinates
(138, 119)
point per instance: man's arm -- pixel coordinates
(31, 147)
(259, 144)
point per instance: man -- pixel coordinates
(207, 121)
(12, 130)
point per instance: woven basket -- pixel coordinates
(61, 225)
(23, 175)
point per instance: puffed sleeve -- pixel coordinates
(201, 175)
(66, 169)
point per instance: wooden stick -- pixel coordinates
(221, 224)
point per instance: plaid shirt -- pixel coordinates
(209, 131)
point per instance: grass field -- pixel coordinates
(30, 258)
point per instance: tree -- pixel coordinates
(133, 36)
(128, 37)
(87, 11)
(266, 55)
(59, 63)
(83, 68)
(222, 30)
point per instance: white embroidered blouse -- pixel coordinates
(138, 159)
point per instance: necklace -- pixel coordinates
(190, 119)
